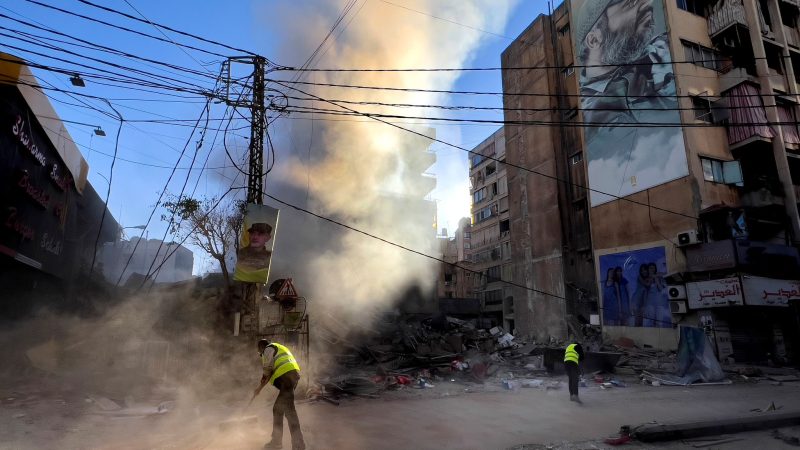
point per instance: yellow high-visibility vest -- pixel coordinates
(284, 362)
(571, 355)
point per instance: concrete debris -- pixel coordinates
(105, 404)
(791, 440)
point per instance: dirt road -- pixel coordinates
(445, 417)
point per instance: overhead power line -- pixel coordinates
(158, 25)
(509, 94)
(119, 27)
(566, 123)
(472, 152)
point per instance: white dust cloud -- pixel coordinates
(363, 173)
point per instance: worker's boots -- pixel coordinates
(273, 445)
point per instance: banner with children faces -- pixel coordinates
(255, 244)
(633, 290)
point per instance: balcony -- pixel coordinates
(792, 35)
(726, 14)
(732, 75)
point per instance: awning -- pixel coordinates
(14, 71)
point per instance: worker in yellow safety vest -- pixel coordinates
(282, 371)
(572, 359)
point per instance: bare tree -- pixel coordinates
(209, 224)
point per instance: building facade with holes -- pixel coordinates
(49, 214)
(660, 184)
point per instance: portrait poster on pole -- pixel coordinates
(255, 244)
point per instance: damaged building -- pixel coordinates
(658, 186)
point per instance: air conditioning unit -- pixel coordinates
(676, 292)
(677, 307)
(688, 237)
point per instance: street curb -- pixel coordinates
(685, 430)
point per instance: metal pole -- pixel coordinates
(255, 185)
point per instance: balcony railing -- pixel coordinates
(726, 14)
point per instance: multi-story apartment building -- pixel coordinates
(681, 117)
(489, 236)
(553, 269)
(456, 276)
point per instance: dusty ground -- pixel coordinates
(50, 413)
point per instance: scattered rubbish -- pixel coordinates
(532, 383)
(105, 404)
(770, 407)
(620, 440)
(510, 385)
(606, 386)
(623, 438)
(791, 440)
(656, 383)
(19, 416)
(777, 383)
(618, 383)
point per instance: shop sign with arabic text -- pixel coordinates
(714, 293)
(762, 291)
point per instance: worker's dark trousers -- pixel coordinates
(574, 376)
(284, 405)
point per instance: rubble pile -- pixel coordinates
(419, 352)
(635, 359)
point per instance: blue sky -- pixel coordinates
(243, 24)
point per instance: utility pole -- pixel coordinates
(255, 175)
(255, 179)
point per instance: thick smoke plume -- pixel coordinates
(354, 169)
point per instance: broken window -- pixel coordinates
(505, 226)
(702, 109)
(490, 169)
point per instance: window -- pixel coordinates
(567, 71)
(726, 172)
(483, 214)
(563, 31)
(493, 274)
(467, 235)
(467, 245)
(576, 158)
(490, 169)
(702, 109)
(702, 56)
(477, 159)
(696, 7)
(493, 297)
(478, 196)
(505, 226)
(494, 189)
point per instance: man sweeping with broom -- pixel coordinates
(282, 371)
